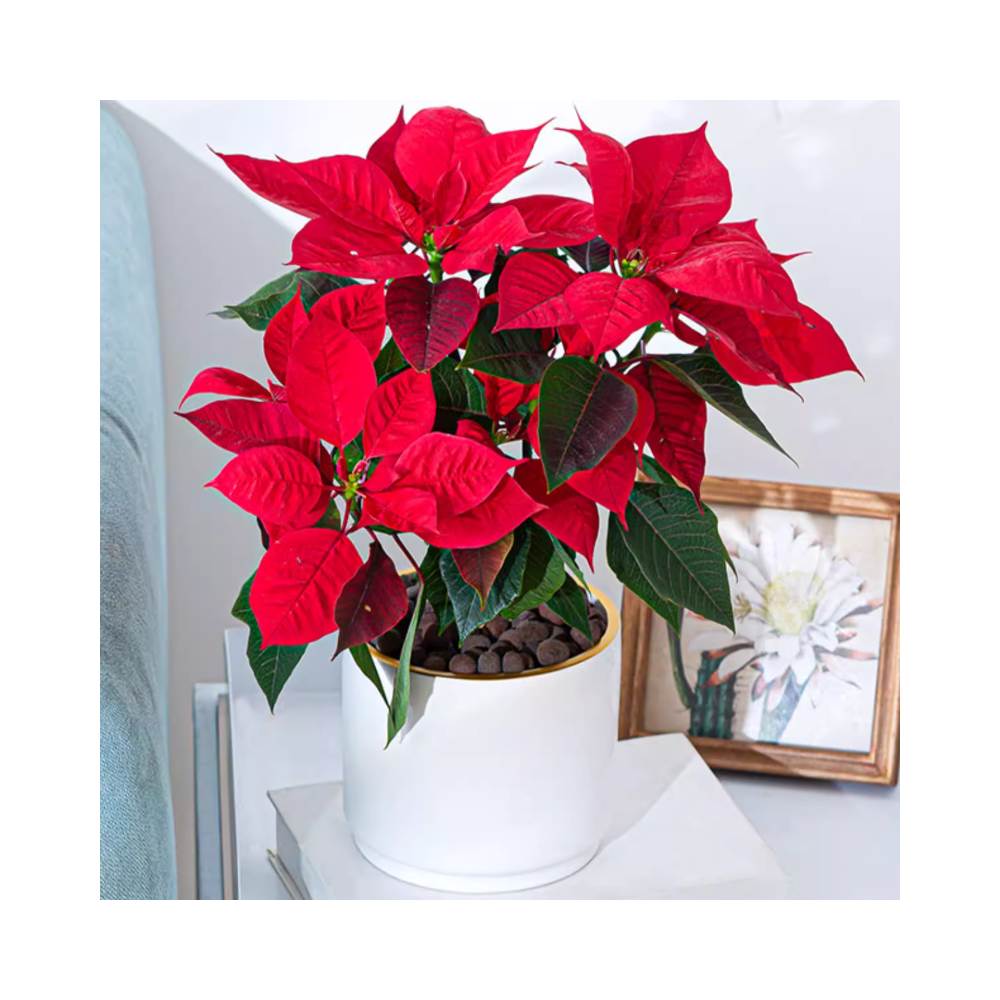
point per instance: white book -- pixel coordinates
(673, 833)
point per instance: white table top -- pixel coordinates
(833, 839)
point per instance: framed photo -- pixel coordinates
(808, 684)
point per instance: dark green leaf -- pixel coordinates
(363, 658)
(623, 564)
(569, 561)
(594, 255)
(679, 550)
(570, 603)
(401, 688)
(390, 361)
(583, 412)
(703, 374)
(331, 519)
(544, 573)
(656, 472)
(437, 592)
(469, 612)
(272, 666)
(257, 310)
(458, 394)
(516, 355)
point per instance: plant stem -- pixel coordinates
(413, 562)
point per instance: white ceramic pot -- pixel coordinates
(496, 782)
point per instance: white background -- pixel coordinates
(819, 176)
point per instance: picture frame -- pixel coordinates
(844, 527)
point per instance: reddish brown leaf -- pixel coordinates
(372, 601)
(479, 567)
(428, 320)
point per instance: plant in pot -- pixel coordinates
(482, 376)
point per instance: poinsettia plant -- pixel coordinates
(480, 374)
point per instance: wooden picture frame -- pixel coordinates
(880, 765)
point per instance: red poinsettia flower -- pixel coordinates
(659, 203)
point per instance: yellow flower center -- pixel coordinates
(790, 601)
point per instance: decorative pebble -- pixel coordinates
(583, 641)
(418, 656)
(435, 661)
(551, 652)
(489, 662)
(513, 638)
(533, 632)
(500, 647)
(475, 642)
(462, 664)
(514, 663)
(497, 626)
(550, 616)
(391, 643)
(526, 616)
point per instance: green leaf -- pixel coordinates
(624, 565)
(544, 573)
(516, 355)
(656, 472)
(363, 658)
(703, 374)
(437, 592)
(469, 613)
(390, 361)
(569, 561)
(401, 688)
(331, 518)
(272, 666)
(257, 310)
(583, 412)
(570, 603)
(678, 549)
(458, 394)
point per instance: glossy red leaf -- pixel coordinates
(382, 154)
(556, 221)
(490, 164)
(727, 266)
(681, 189)
(645, 415)
(297, 585)
(361, 308)
(429, 321)
(433, 142)
(328, 244)
(507, 507)
(610, 482)
(475, 432)
(330, 380)
(356, 190)
(273, 483)
(572, 518)
(477, 248)
(804, 349)
(405, 508)
(372, 601)
(225, 382)
(458, 471)
(276, 181)
(677, 437)
(610, 175)
(401, 410)
(610, 308)
(531, 292)
(480, 567)
(503, 396)
(733, 326)
(283, 330)
(575, 341)
(240, 424)
(448, 196)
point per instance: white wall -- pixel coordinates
(820, 176)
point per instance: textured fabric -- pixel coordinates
(137, 838)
